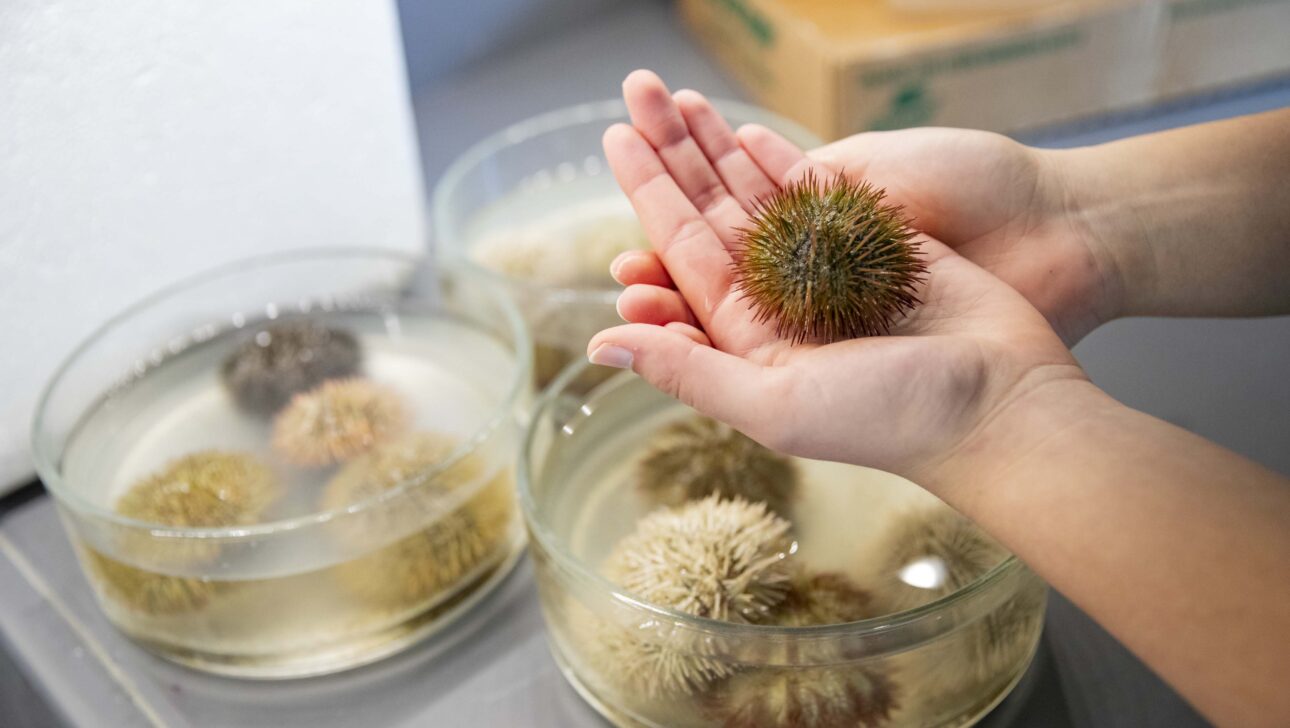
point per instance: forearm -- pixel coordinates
(1193, 222)
(1175, 545)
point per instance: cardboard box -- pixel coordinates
(1209, 44)
(844, 66)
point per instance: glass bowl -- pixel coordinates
(295, 464)
(536, 208)
(929, 648)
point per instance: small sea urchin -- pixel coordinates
(834, 696)
(931, 553)
(285, 359)
(147, 592)
(463, 535)
(336, 421)
(714, 558)
(827, 261)
(721, 559)
(823, 598)
(699, 457)
(207, 489)
(825, 689)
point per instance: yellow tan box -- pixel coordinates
(843, 66)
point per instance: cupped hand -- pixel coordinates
(1004, 206)
(901, 402)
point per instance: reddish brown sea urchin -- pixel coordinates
(827, 261)
(339, 420)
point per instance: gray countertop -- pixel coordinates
(491, 669)
(61, 658)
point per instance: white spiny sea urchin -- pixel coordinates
(714, 558)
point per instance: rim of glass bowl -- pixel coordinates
(973, 594)
(446, 223)
(50, 472)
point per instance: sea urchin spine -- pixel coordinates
(828, 261)
(699, 456)
(930, 554)
(339, 420)
(285, 359)
(816, 685)
(721, 559)
(462, 536)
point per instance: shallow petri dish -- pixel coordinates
(941, 622)
(295, 464)
(535, 208)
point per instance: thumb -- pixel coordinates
(711, 381)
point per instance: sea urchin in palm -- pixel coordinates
(827, 261)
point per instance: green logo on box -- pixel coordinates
(756, 24)
(910, 105)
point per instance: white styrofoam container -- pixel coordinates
(142, 141)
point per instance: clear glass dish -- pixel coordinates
(930, 648)
(272, 523)
(536, 208)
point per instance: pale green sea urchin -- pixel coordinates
(463, 535)
(207, 489)
(699, 456)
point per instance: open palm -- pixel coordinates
(895, 401)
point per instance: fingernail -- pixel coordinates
(607, 355)
(617, 264)
(618, 308)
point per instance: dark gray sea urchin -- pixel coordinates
(699, 456)
(827, 261)
(286, 358)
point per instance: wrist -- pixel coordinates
(1042, 415)
(1098, 215)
